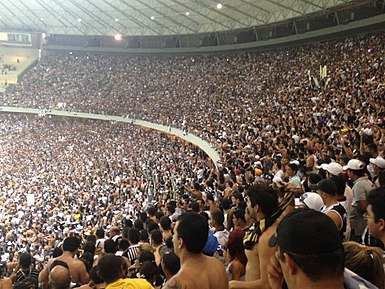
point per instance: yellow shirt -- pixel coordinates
(130, 284)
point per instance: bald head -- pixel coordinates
(114, 230)
(59, 278)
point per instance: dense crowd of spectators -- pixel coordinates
(278, 117)
(82, 175)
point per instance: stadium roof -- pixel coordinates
(151, 17)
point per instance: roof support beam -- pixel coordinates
(146, 17)
(90, 2)
(255, 6)
(132, 19)
(233, 20)
(51, 13)
(312, 3)
(32, 16)
(14, 16)
(84, 24)
(178, 24)
(286, 6)
(170, 8)
(199, 12)
(93, 16)
(245, 13)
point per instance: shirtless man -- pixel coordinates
(77, 268)
(197, 270)
(262, 203)
(59, 278)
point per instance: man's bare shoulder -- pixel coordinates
(210, 273)
(175, 283)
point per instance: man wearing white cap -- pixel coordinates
(378, 165)
(310, 200)
(362, 186)
(334, 172)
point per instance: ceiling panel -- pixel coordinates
(150, 17)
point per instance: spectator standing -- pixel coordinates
(362, 186)
(190, 236)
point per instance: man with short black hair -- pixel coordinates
(151, 212)
(76, 267)
(27, 273)
(376, 213)
(156, 241)
(111, 270)
(262, 203)
(310, 254)
(100, 238)
(327, 189)
(132, 251)
(222, 235)
(197, 270)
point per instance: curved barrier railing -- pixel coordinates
(202, 144)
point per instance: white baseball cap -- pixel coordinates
(322, 166)
(310, 200)
(334, 168)
(378, 161)
(354, 165)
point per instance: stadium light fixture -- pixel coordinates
(118, 37)
(152, 17)
(219, 6)
(187, 13)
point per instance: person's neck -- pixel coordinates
(219, 228)
(259, 216)
(382, 239)
(100, 286)
(69, 254)
(321, 284)
(108, 283)
(168, 275)
(166, 234)
(188, 257)
(330, 202)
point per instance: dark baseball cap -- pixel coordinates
(327, 185)
(307, 232)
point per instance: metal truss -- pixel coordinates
(152, 17)
(14, 20)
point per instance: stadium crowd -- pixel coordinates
(275, 120)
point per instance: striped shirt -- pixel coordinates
(132, 253)
(30, 277)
